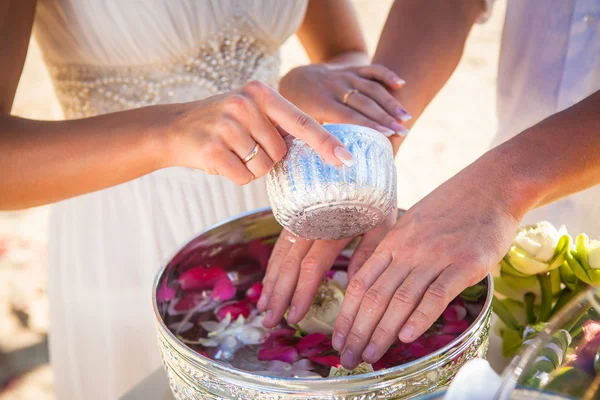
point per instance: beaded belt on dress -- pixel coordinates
(216, 67)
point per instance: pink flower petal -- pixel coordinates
(591, 329)
(280, 337)
(328, 361)
(236, 309)
(455, 327)
(253, 294)
(418, 349)
(341, 261)
(439, 341)
(454, 313)
(260, 251)
(313, 344)
(223, 290)
(165, 293)
(201, 278)
(286, 354)
(188, 301)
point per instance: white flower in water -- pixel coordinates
(323, 312)
(231, 336)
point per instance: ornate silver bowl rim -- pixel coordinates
(316, 383)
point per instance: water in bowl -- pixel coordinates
(209, 303)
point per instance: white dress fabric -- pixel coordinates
(106, 247)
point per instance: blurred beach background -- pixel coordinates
(456, 129)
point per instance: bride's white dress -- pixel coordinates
(105, 247)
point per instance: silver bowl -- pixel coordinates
(316, 200)
(193, 376)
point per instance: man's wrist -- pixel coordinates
(511, 177)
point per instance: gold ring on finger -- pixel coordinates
(252, 154)
(348, 94)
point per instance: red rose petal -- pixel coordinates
(223, 290)
(455, 327)
(188, 301)
(280, 337)
(260, 251)
(454, 313)
(439, 341)
(253, 294)
(201, 278)
(418, 349)
(236, 309)
(328, 361)
(313, 344)
(165, 293)
(286, 354)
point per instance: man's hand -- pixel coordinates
(447, 242)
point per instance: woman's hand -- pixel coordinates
(448, 241)
(356, 95)
(239, 134)
(298, 266)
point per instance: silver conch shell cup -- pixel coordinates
(193, 376)
(316, 200)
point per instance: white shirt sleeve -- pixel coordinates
(487, 11)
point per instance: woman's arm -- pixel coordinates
(331, 34)
(340, 86)
(43, 162)
(423, 41)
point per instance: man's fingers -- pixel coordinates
(355, 292)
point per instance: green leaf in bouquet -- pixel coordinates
(517, 310)
(578, 260)
(538, 374)
(474, 293)
(569, 381)
(567, 275)
(511, 342)
(507, 268)
(529, 300)
(505, 315)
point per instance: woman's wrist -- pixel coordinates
(348, 59)
(162, 135)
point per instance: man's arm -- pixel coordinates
(454, 236)
(422, 42)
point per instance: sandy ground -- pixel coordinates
(454, 131)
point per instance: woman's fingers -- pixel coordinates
(291, 119)
(383, 98)
(231, 167)
(287, 280)
(280, 251)
(339, 113)
(369, 108)
(382, 74)
(313, 268)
